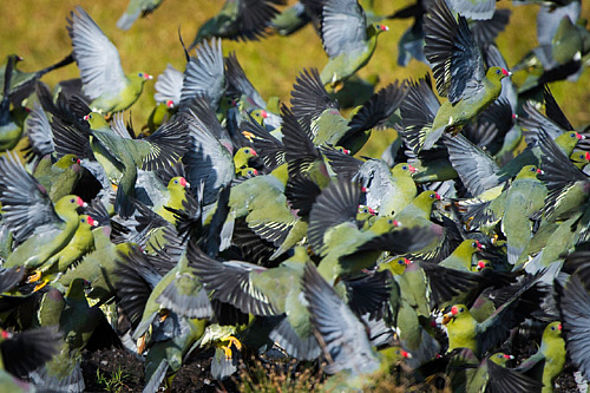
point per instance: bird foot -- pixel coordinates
(41, 285)
(227, 347)
(36, 276)
(141, 344)
(248, 135)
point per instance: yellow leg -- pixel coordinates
(141, 344)
(36, 276)
(234, 341)
(40, 285)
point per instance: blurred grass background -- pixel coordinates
(36, 30)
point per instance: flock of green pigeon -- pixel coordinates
(253, 228)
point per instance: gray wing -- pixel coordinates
(344, 27)
(96, 56)
(344, 336)
(39, 134)
(204, 74)
(169, 85)
(25, 202)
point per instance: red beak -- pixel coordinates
(540, 171)
(80, 202)
(588, 156)
(412, 169)
(509, 357)
(92, 222)
(579, 136)
(506, 72)
(559, 327)
(437, 196)
(407, 261)
(405, 354)
(264, 114)
(183, 181)
(454, 310)
(169, 103)
(86, 117)
(481, 265)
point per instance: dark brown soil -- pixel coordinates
(194, 375)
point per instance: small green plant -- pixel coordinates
(113, 383)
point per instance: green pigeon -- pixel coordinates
(348, 39)
(22, 83)
(135, 9)
(552, 352)
(98, 266)
(514, 208)
(292, 19)
(103, 78)
(464, 331)
(40, 227)
(263, 292)
(573, 301)
(459, 72)
(388, 191)
(177, 188)
(80, 244)
(491, 374)
(80, 325)
(461, 258)
(352, 361)
(312, 105)
(334, 233)
(239, 20)
(59, 178)
(119, 155)
(10, 132)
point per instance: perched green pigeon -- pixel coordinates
(239, 20)
(103, 78)
(460, 74)
(348, 39)
(135, 9)
(552, 352)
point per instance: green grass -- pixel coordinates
(113, 383)
(36, 30)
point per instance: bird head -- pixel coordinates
(140, 77)
(248, 172)
(70, 202)
(501, 358)
(87, 220)
(178, 182)
(552, 330)
(67, 161)
(456, 311)
(96, 120)
(342, 150)
(529, 172)
(365, 210)
(376, 29)
(259, 115)
(403, 168)
(497, 73)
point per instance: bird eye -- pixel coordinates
(140, 74)
(175, 181)
(582, 156)
(432, 195)
(473, 244)
(400, 262)
(72, 200)
(498, 72)
(533, 169)
(82, 220)
(461, 309)
(405, 167)
(573, 134)
(390, 221)
(247, 151)
(552, 327)
(74, 159)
